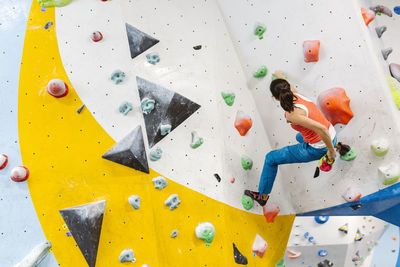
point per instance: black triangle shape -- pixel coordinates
(130, 151)
(84, 222)
(138, 40)
(170, 108)
(239, 257)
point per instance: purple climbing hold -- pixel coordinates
(396, 10)
(395, 71)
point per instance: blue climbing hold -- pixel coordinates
(322, 252)
(321, 219)
(396, 10)
(156, 154)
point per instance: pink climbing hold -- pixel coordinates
(395, 70)
(259, 246)
(311, 50)
(270, 210)
(57, 88)
(96, 36)
(243, 123)
(351, 194)
(3, 161)
(368, 15)
(335, 105)
(19, 174)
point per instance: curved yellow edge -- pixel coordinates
(63, 151)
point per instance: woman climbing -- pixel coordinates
(316, 136)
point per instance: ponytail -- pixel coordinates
(280, 89)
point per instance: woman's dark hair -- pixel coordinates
(280, 89)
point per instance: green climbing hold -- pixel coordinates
(280, 263)
(247, 163)
(349, 155)
(53, 3)
(259, 31)
(229, 97)
(261, 72)
(369, 249)
(247, 202)
(196, 140)
(206, 232)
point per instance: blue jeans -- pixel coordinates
(302, 152)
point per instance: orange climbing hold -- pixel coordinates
(243, 123)
(335, 105)
(270, 210)
(368, 15)
(311, 50)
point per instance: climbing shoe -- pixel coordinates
(256, 196)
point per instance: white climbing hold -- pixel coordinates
(57, 88)
(159, 182)
(172, 202)
(351, 194)
(127, 255)
(259, 246)
(196, 140)
(19, 174)
(390, 173)
(134, 201)
(3, 161)
(380, 146)
(36, 255)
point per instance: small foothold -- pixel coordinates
(196, 140)
(395, 71)
(156, 154)
(368, 15)
(125, 107)
(174, 234)
(147, 105)
(172, 202)
(390, 173)
(359, 236)
(19, 174)
(380, 30)
(216, 175)
(280, 263)
(229, 97)
(386, 52)
(232, 180)
(48, 25)
(270, 211)
(311, 50)
(247, 202)
(259, 31)
(293, 254)
(335, 105)
(396, 10)
(197, 47)
(344, 228)
(53, 3)
(261, 72)
(239, 257)
(205, 231)
(322, 252)
(118, 76)
(96, 36)
(134, 201)
(259, 246)
(159, 182)
(382, 9)
(380, 146)
(321, 219)
(127, 255)
(3, 161)
(153, 58)
(165, 129)
(243, 123)
(247, 163)
(351, 194)
(57, 88)
(80, 109)
(68, 234)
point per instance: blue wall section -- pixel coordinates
(20, 229)
(383, 251)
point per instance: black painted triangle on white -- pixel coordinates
(138, 40)
(85, 222)
(170, 108)
(130, 151)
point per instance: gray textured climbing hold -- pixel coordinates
(134, 201)
(35, 256)
(147, 105)
(196, 140)
(386, 52)
(127, 255)
(380, 30)
(172, 202)
(395, 71)
(174, 233)
(156, 154)
(165, 129)
(138, 41)
(125, 107)
(117, 76)
(159, 182)
(48, 25)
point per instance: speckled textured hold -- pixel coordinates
(159, 182)
(125, 107)
(147, 105)
(172, 202)
(239, 258)
(156, 154)
(247, 162)
(127, 255)
(229, 97)
(153, 58)
(134, 201)
(118, 76)
(205, 231)
(196, 140)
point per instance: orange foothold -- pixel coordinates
(394, 238)
(19, 174)
(3, 161)
(57, 88)
(270, 210)
(311, 50)
(293, 254)
(232, 180)
(243, 123)
(368, 15)
(335, 105)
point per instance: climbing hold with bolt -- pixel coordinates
(359, 236)
(335, 105)
(259, 246)
(380, 146)
(243, 123)
(174, 234)
(344, 228)
(117, 76)
(153, 58)
(368, 15)
(247, 162)
(196, 140)
(270, 211)
(165, 129)
(19, 174)
(322, 252)
(311, 50)
(53, 3)
(351, 194)
(127, 255)
(134, 201)
(3, 161)
(229, 97)
(172, 202)
(293, 254)
(57, 88)
(156, 154)
(205, 231)
(247, 202)
(346, 152)
(159, 182)
(321, 219)
(96, 36)
(261, 72)
(259, 31)
(147, 105)
(390, 173)
(125, 107)
(48, 25)
(197, 47)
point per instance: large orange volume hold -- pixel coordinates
(243, 123)
(311, 50)
(368, 15)
(335, 105)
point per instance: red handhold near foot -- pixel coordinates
(57, 88)
(270, 210)
(3, 161)
(368, 15)
(335, 105)
(19, 174)
(96, 36)
(311, 50)
(243, 123)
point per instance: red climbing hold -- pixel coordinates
(243, 123)
(19, 174)
(3, 161)
(311, 50)
(335, 105)
(368, 15)
(96, 36)
(270, 211)
(57, 88)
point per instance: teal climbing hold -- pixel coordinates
(165, 129)
(261, 72)
(259, 31)
(127, 255)
(147, 105)
(228, 97)
(153, 58)
(247, 202)
(172, 202)
(205, 231)
(134, 201)
(156, 154)
(125, 107)
(174, 233)
(117, 76)
(196, 140)
(159, 182)
(247, 163)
